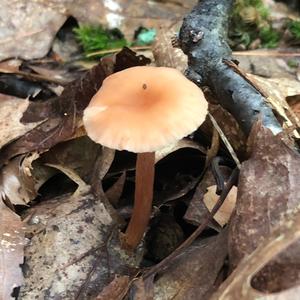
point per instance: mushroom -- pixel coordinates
(142, 110)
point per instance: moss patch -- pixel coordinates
(95, 38)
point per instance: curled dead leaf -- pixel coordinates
(17, 183)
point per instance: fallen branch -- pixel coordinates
(203, 38)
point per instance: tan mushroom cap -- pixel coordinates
(143, 109)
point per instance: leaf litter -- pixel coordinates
(75, 196)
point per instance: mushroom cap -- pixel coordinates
(143, 109)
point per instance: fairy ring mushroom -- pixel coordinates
(141, 110)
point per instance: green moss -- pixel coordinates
(269, 37)
(294, 28)
(95, 38)
(250, 20)
(253, 8)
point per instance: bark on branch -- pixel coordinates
(203, 38)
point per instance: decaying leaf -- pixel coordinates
(240, 282)
(28, 28)
(294, 103)
(32, 25)
(74, 251)
(224, 213)
(11, 251)
(188, 277)
(163, 237)
(268, 190)
(116, 290)
(11, 112)
(278, 89)
(78, 154)
(164, 53)
(142, 289)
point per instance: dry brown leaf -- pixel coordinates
(32, 25)
(278, 89)
(142, 289)
(116, 290)
(294, 103)
(193, 274)
(29, 28)
(11, 251)
(164, 53)
(114, 193)
(22, 177)
(10, 65)
(224, 213)
(268, 190)
(11, 112)
(78, 154)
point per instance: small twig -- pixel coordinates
(266, 53)
(225, 141)
(167, 261)
(36, 77)
(102, 52)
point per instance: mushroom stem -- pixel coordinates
(144, 180)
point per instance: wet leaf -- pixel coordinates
(11, 250)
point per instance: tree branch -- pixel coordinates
(203, 38)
